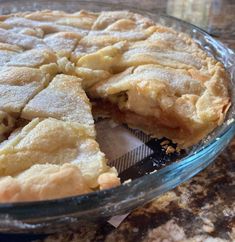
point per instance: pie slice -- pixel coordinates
(164, 101)
(19, 84)
(63, 99)
(55, 142)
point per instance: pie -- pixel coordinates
(54, 64)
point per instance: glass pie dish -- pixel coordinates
(56, 215)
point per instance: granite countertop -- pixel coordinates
(202, 209)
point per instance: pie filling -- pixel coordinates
(135, 71)
(151, 125)
(163, 102)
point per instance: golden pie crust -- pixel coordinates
(132, 69)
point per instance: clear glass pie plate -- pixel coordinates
(59, 214)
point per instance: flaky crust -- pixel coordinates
(19, 84)
(50, 181)
(42, 182)
(62, 102)
(141, 73)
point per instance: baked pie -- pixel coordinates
(54, 64)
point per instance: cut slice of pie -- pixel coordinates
(55, 142)
(63, 99)
(163, 101)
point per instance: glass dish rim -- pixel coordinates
(102, 194)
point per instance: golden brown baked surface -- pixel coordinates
(138, 72)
